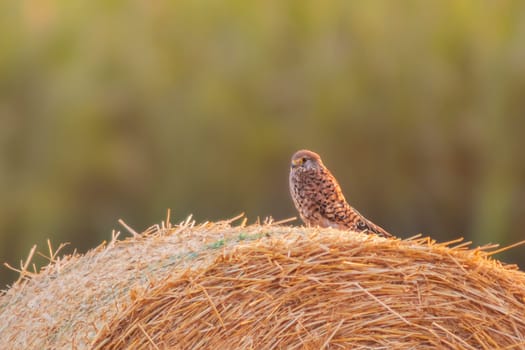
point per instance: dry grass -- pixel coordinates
(270, 286)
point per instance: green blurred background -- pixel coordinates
(121, 109)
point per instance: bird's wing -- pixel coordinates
(354, 220)
(369, 226)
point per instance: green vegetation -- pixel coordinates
(217, 244)
(121, 109)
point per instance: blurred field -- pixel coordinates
(121, 109)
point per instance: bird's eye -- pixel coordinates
(303, 160)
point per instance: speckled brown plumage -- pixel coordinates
(319, 199)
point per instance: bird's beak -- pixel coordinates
(296, 162)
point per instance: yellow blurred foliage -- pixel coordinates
(121, 109)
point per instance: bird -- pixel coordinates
(319, 199)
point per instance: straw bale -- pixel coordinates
(267, 287)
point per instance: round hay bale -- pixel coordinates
(268, 287)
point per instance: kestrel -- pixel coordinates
(319, 199)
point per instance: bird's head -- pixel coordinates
(305, 159)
